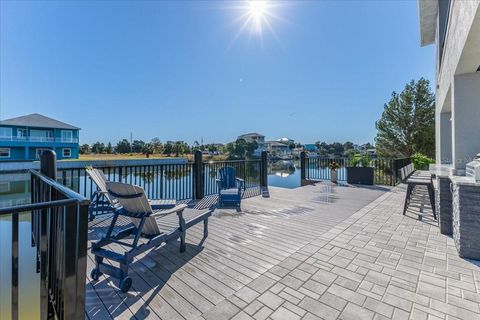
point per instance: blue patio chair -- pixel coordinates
(229, 187)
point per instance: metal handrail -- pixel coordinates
(67, 192)
(239, 160)
(37, 206)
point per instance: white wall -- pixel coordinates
(465, 118)
(462, 15)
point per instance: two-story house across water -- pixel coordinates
(26, 137)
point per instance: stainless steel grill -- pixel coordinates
(473, 169)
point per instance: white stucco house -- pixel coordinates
(253, 136)
(278, 148)
(454, 28)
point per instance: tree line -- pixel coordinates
(339, 149)
(155, 146)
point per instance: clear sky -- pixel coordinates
(186, 70)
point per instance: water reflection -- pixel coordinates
(14, 189)
(29, 279)
(284, 173)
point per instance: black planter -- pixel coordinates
(360, 175)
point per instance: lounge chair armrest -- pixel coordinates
(240, 183)
(175, 209)
(219, 185)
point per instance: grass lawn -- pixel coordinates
(126, 156)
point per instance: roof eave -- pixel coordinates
(427, 11)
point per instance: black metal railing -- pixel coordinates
(160, 181)
(248, 170)
(318, 168)
(385, 170)
(59, 219)
(164, 180)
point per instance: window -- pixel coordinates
(38, 152)
(67, 152)
(5, 132)
(41, 135)
(4, 152)
(4, 187)
(67, 135)
(21, 133)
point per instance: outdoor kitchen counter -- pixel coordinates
(443, 196)
(458, 205)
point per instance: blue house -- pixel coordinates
(311, 147)
(26, 137)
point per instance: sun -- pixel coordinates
(258, 11)
(257, 17)
(257, 8)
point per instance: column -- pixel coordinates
(465, 118)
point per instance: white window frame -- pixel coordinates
(9, 153)
(67, 139)
(69, 152)
(6, 135)
(22, 136)
(41, 135)
(5, 187)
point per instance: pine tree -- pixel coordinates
(407, 124)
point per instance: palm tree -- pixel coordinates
(147, 149)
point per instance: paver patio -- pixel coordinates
(316, 252)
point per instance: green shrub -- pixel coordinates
(358, 160)
(421, 161)
(365, 161)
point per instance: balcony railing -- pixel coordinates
(59, 219)
(39, 139)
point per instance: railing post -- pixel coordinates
(264, 170)
(395, 172)
(198, 174)
(48, 167)
(48, 164)
(303, 166)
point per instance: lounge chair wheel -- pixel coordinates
(95, 274)
(125, 284)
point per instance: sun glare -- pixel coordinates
(257, 17)
(257, 10)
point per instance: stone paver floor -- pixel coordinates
(372, 263)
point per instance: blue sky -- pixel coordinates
(184, 71)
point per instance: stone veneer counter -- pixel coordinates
(458, 207)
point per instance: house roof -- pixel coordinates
(38, 121)
(252, 134)
(427, 11)
(276, 144)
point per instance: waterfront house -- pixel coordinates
(278, 148)
(286, 140)
(26, 137)
(253, 136)
(454, 27)
(310, 147)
